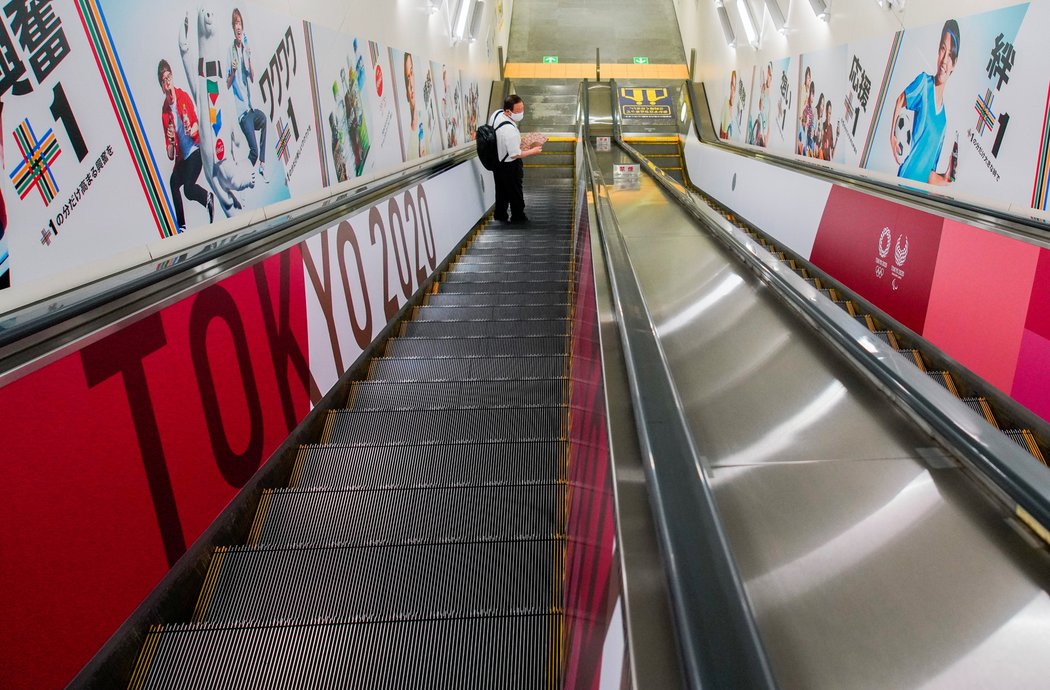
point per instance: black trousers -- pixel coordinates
(508, 178)
(184, 176)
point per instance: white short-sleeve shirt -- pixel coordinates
(508, 139)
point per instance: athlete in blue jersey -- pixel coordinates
(925, 97)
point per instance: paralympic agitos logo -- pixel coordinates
(900, 257)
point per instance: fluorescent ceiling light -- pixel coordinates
(749, 22)
(727, 28)
(476, 18)
(777, 16)
(820, 8)
(459, 19)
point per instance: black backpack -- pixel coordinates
(486, 142)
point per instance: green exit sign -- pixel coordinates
(641, 61)
(550, 59)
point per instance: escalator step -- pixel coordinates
(510, 277)
(466, 368)
(481, 313)
(486, 329)
(945, 379)
(887, 337)
(506, 265)
(525, 261)
(497, 299)
(443, 515)
(981, 407)
(511, 653)
(1026, 439)
(428, 395)
(409, 582)
(414, 427)
(476, 347)
(406, 466)
(559, 288)
(915, 357)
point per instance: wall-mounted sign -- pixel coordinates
(646, 103)
(603, 144)
(550, 59)
(641, 60)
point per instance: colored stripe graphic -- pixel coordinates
(1042, 174)
(891, 64)
(34, 172)
(985, 116)
(284, 135)
(322, 152)
(112, 71)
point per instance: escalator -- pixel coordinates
(421, 539)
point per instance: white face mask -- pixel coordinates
(517, 117)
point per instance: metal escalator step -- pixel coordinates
(510, 653)
(443, 515)
(476, 347)
(503, 265)
(431, 313)
(456, 464)
(887, 337)
(384, 583)
(414, 427)
(1026, 439)
(981, 407)
(555, 255)
(496, 299)
(945, 379)
(466, 368)
(915, 357)
(527, 261)
(510, 277)
(560, 288)
(486, 329)
(429, 395)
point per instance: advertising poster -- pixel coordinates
(782, 108)
(866, 66)
(223, 96)
(409, 73)
(355, 111)
(759, 119)
(733, 108)
(473, 109)
(446, 107)
(66, 167)
(822, 93)
(950, 103)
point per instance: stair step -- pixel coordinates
(431, 313)
(406, 466)
(444, 515)
(415, 427)
(446, 395)
(404, 582)
(476, 347)
(466, 368)
(486, 329)
(441, 653)
(496, 299)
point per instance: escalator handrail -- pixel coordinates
(88, 308)
(718, 638)
(964, 211)
(1013, 475)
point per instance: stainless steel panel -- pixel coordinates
(886, 575)
(867, 566)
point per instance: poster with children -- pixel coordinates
(822, 93)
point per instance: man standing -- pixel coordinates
(510, 171)
(240, 76)
(182, 144)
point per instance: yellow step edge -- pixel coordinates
(210, 581)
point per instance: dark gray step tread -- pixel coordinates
(466, 368)
(497, 299)
(415, 427)
(437, 348)
(486, 329)
(384, 395)
(456, 313)
(403, 582)
(432, 515)
(509, 652)
(428, 465)
(553, 277)
(560, 287)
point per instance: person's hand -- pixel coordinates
(171, 131)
